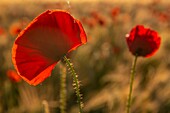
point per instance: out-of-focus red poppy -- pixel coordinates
(13, 76)
(90, 22)
(94, 14)
(115, 12)
(116, 50)
(2, 31)
(44, 42)
(3, 37)
(101, 21)
(143, 41)
(163, 17)
(15, 28)
(99, 18)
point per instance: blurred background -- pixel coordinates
(103, 64)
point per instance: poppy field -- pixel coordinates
(84, 57)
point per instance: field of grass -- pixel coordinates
(103, 64)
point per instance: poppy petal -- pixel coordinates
(44, 42)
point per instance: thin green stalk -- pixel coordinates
(131, 85)
(76, 83)
(63, 91)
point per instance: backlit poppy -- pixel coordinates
(143, 41)
(13, 76)
(44, 42)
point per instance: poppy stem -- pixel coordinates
(63, 91)
(76, 83)
(131, 85)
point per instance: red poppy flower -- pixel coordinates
(12, 74)
(44, 42)
(143, 41)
